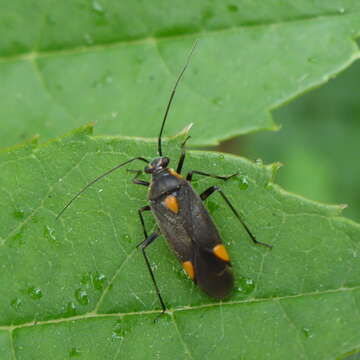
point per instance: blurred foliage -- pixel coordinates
(318, 143)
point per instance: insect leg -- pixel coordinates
(205, 194)
(135, 179)
(190, 175)
(182, 156)
(143, 246)
(140, 211)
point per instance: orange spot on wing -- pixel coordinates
(221, 253)
(189, 268)
(171, 203)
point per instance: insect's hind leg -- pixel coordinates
(143, 245)
(205, 194)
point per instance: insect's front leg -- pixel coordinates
(135, 179)
(205, 194)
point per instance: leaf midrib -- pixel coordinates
(93, 314)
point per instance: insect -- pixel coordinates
(182, 217)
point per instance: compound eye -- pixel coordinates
(165, 161)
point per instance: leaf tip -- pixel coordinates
(186, 129)
(87, 129)
(274, 167)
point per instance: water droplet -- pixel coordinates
(100, 190)
(259, 162)
(312, 59)
(106, 79)
(16, 303)
(232, 8)
(50, 20)
(35, 292)
(221, 157)
(243, 182)
(99, 281)
(88, 39)
(82, 296)
(70, 309)
(246, 286)
(17, 239)
(217, 101)
(119, 330)
(74, 352)
(341, 10)
(97, 7)
(114, 114)
(207, 14)
(19, 214)
(86, 279)
(307, 333)
(49, 233)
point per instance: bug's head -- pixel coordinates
(157, 165)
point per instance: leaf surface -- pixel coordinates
(63, 65)
(79, 288)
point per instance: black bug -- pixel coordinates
(182, 218)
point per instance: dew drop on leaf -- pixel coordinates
(49, 233)
(99, 280)
(16, 303)
(70, 309)
(232, 8)
(19, 214)
(243, 182)
(119, 330)
(312, 60)
(88, 39)
(17, 239)
(97, 7)
(217, 101)
(35, 292)
(246, 286)
(86, 279)
(74, 352)
(307, 333)
(82, 296)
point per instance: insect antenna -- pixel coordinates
(96, 180)
(172, 95)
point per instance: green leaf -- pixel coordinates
(319, 135)
(65, 64)
(79, 288)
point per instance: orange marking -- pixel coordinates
(171, 203)
(174, 173)
(189, 268)
(221, 253)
